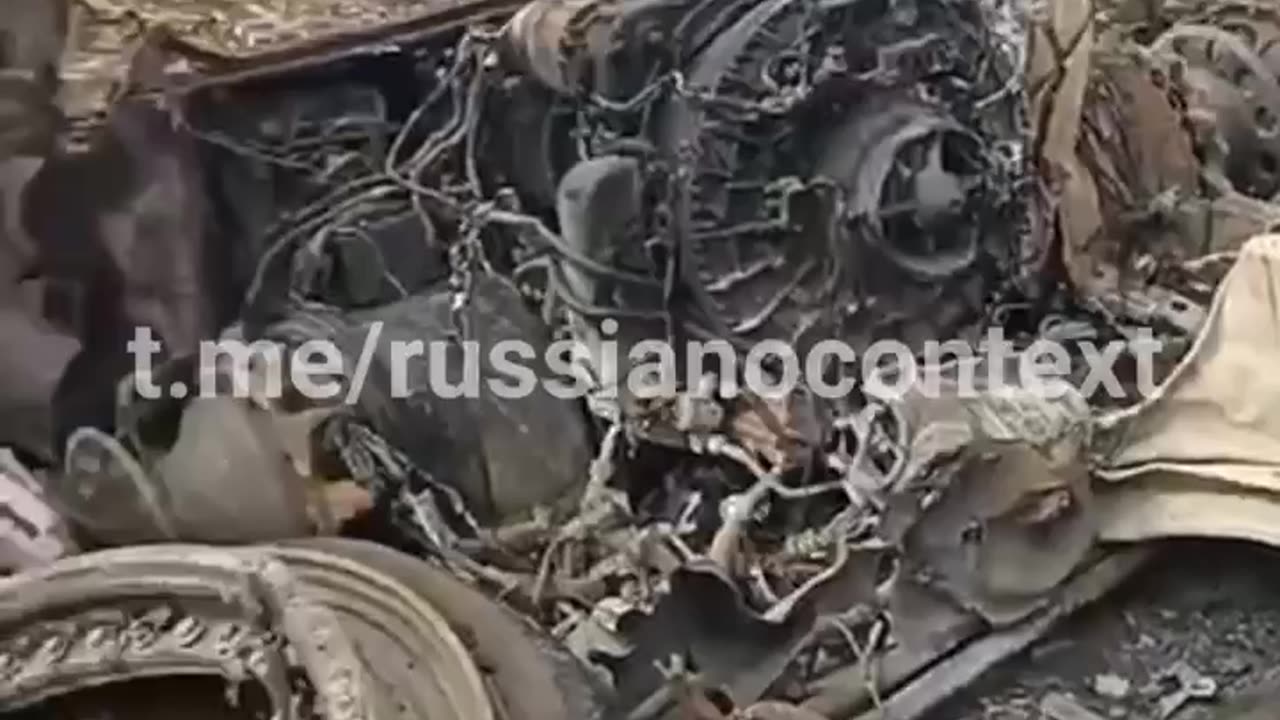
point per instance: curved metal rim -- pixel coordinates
(75, 591)
(871, 187)
(459, 675)
(271, 590)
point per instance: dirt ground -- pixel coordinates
(1213, 606)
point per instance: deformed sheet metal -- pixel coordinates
(920, 681)
(95, 62)
(1221, 406)
(933, 686)
(226, 40)
(236, 29)
(1201, 456)
(1057, 82)
(32, 533)
(1156, 510)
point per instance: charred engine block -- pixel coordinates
(782, 169)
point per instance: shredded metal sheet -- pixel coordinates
(228, 36)
(235, 29)
(95, 62)
(1201, 457)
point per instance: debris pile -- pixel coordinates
(600, 185)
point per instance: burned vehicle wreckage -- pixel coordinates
(614, 177)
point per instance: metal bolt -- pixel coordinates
(96, 637)
(258, 663)
(188, 631)
(141, 635)
(228, 637)
(228, 633)
(342, 694)
(54, 647)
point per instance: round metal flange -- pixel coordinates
(317, 632)
(528, 675)
(774, 103)
(420, 665)
(1239, 94)
(912, 172)
(149, 611)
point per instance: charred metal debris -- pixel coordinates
(737, 170)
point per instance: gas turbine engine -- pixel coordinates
(794, 170)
